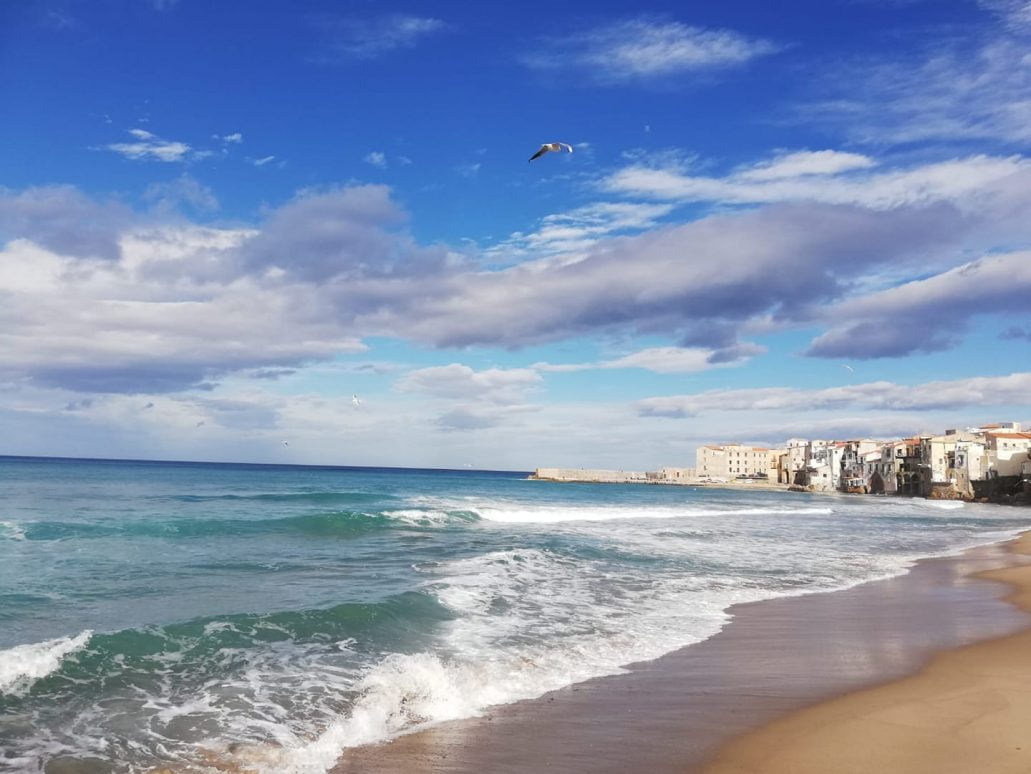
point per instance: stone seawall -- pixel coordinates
(591, 476)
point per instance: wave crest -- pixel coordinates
(22, 665)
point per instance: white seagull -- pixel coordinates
(355, 400)
(850, 368)
(551, 146)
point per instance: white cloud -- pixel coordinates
(376, 158)
(646, 48)
(370, 38)
(1015, 13)
(235, 137)
(183, 190)
(263, 161)
(169, 312)
(460, 382)
(926, 315)
(63, 219)
(572, 232)
(151, 147)
(959, 87)
(661, 360)
(828, 176)
(1013, 389)
(801, 163)
(182, 305)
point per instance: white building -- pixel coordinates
(970, 464)
(823, 464)
(1006, 452)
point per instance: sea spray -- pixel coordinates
(23, 665)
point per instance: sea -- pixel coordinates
(201, 616)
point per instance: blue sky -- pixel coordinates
(218, 221)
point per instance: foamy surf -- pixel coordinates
(23, 665)
(10, 530)
(271, 620)
(558, 515)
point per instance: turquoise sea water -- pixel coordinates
(191, 614)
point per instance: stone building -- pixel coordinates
(733, 460)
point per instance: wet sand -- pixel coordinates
(968, 710)
(772, 659)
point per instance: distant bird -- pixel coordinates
(850, 368)
(286, 443)
(551, 146)
(356, 401)
(199, 423)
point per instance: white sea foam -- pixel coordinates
(561, 625)
(419, 516)
(532, 620)
(945, 505)
(555, 515)
(23, 665)
(581, 591)
(11, 530)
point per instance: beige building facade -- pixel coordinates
(733, 460)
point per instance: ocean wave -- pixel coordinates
(197, 640)
(521, 628)
(253, 676)
(555, 515)
(22, 665)
(945, 505)
(10, 530)
(315, 498)
(339, 524)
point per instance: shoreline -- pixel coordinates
(771, 660)
(967, 709)
(769, 486)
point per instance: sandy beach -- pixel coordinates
(773, 660)
(967, 710)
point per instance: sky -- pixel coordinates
(221, 221)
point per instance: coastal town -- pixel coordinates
(991, 462)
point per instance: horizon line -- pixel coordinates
(59, 458)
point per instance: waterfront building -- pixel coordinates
(733, 460)
(671, 475)
(797, 453)
(853, 460)
(823, 465)
(1006, 452)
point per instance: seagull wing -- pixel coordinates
(567, 146)
(544, 149)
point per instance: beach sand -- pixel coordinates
(968, 710)
(772, 659)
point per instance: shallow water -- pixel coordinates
(156, 614)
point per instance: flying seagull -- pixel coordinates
(286, 443)
(850, 368)
(551, 146)
(356, 401)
